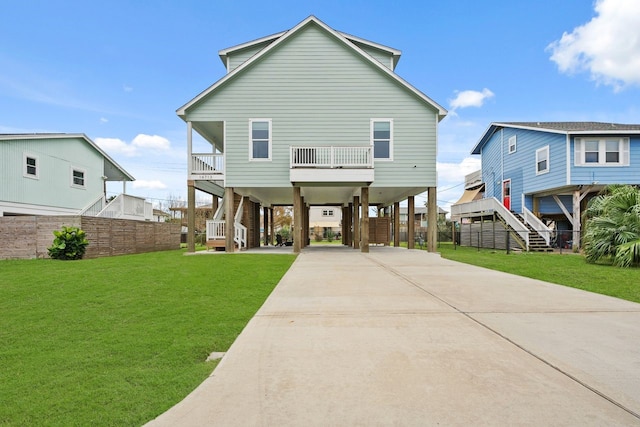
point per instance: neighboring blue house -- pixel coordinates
(552, 169)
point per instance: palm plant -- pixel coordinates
(613, 227)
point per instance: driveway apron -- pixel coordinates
(404, 337)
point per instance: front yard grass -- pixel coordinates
(117, 341)
(566, 269)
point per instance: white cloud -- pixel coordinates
(104, 120)
(127, 88)
(149, 185)
(151, 141)
(454, 173)
(117, 146)
(608, 46)
(470, 98)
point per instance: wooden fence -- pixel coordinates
(30, 236)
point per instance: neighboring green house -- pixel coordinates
(61, 174)
(309, 117)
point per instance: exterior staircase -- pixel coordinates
(536, 241)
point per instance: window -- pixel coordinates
(260, 139)
(382, 138)
(512, 144)
(77, 178)
(601, 152)
(30, 164)
(327, 212)
(542, 160)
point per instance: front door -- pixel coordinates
(506, 193)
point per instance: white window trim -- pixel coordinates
(390, 158)
(512, 144)
(327, 212)
(538, 152)
(270, 141)
(24, 166)
(579, 152)
(84, 174)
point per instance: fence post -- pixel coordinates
(508, 241)
(478, 241)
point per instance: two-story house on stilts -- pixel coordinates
(310, 116)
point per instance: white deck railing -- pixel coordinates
(125, 206)
(490, 205)
(94, 208)
(331, 157)
(216, 230)
(207, 163)
(240, 235)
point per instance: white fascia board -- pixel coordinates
(224, 53)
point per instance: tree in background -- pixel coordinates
(613, 227)
(282, 217)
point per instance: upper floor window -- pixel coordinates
(77, 178)
(260, 139)
(327, 212)
(542, 160)
(602, 151)
(30, 166)
(382, 138)
(512, 144)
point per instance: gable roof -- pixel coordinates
(109, 163)
(279, 38)
(224, 53)
(564, 128)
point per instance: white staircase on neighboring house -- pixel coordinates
(122, 206)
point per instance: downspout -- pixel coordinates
(568, 159)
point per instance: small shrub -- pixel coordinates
(330, 235)
(318, 237)
(69, 243)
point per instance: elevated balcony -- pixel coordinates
(329, 164)
(206, 166)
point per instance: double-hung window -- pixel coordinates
(30, 166)
(78, 177)
(542, 160)
(601, 151)
(512, 144)
(382, 139)
(260, 139)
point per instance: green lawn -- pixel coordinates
(564, 269)
(117, 341)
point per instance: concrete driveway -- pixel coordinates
(405, 338)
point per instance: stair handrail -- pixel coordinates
(240, 235)
(539, 226)
(238, 216)
(93, 208)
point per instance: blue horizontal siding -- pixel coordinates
(583, 175)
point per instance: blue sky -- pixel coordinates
(118, 70)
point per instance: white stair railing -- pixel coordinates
(240, 235)
(94, 208)
(488, 206)
(536, 224)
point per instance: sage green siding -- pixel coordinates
(56, 157)
(381, 56)
(318, 91)
(238, 57)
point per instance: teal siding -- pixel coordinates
(585, 175)
(56, 158)
(317, 91)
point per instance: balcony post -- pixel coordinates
(265, 219)
(411, 223)
(297, 220)
(356, 222)
(272, 235)
(229, 220)
(396, 224)
(432, 220)
(191, 216)
(364, 192)
(189, 149)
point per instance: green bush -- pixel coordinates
(69, 243)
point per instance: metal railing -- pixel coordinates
(331, 157)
